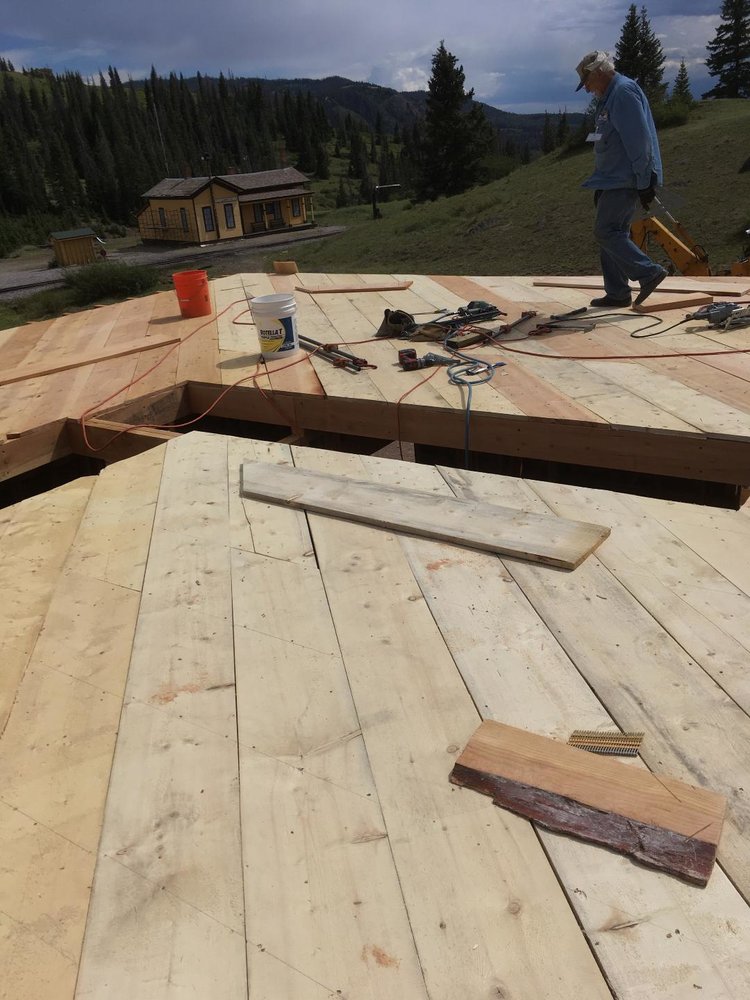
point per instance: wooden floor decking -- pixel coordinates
(237, 721)
(599, 399)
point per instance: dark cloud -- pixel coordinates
(519, 52)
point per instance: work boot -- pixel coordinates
(648, 286)
(609, 302)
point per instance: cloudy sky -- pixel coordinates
(518, 55)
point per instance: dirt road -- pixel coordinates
(17, 280)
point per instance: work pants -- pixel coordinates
(621, 259)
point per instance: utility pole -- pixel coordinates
(161, 140)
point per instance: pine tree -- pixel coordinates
(563, 128)
(640, 56)
(628, 48)
(681, 89)
(729, 51)
(455, 139)
(652, 62)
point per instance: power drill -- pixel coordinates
(409, 361)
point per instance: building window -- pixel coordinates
(229, 216)
(208, 219)
(162, 218)
(258, 213)
(296, 208)
(184, 220)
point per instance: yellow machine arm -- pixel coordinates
(687, 257)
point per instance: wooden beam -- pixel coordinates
(678, 283)
(660, 303)
(633, 449)
(397, 286)
(164, 406)
(25, 372)
(32, 449)
(537, 537)
(660, 821)
(112, 441)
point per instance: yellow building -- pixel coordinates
(76, 246)
(208, 209)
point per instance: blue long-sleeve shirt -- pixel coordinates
(627, 150)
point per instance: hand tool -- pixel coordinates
(559, 324)
(572, 313)
(468, 337)
(338, 357)
(412, 364)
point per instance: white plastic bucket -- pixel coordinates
(276, 320)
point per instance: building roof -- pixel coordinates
(177, 187)
(188, 187)
(293, 192)
(283, 177)
(72, 234)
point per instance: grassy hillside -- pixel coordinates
(538, 220)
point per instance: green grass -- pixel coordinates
(98, 283)
(538, 220)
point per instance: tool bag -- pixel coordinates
(396, 323)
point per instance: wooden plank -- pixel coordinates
(705, 374)
(664, 823)
(39, 371)
(33, 549)
(629, 661)
(324, 289)
(326, 912)
(323, 900)
(23, 452)
(661, 303)
(167, 905)
(493, 529)
(677, 283)
(57, 750)
(483, 903)
(113, 441)
(518, 673)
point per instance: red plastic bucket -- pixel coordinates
(192, 293)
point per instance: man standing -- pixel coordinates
(627, 171)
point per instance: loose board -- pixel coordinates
(397, 286)
(676, 300)
(673, 284)
(660, 821)
(537, 537)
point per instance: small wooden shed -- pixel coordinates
(76, 246)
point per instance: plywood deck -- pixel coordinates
(237, 722)
(595, 399)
